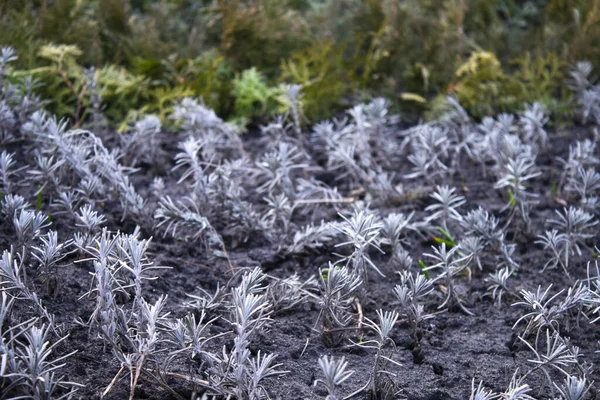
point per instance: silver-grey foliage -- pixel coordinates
(338, 287)
(445, 207)
(362, 231)
(410, 294)
(335, 373)
(450, 267)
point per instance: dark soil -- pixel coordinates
(454, 349)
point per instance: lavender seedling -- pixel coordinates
(545, 311)
(532, 122)
(11, 204)
(361, 137)
(483, 225)
(74, 147)
(184, 217)
(481, 393)
(343, 157)
(191, 336)
(47, 173)
(480, 223)
(335, 373)
(107, 286)
(450, 268)
(199, 121)
(517, 390)
(280, 212)
(515, 173)
(573, 388)
(380, 383)
(402, 259)
(393, 227)
(181, 217)
(237, 373)
(434, 141)
(383, 187)
(506, 123)
(12, 280)
(7, 172)
(137, 263)
(586, 92)
(29, 226)
(145, 341)
(593, 283)
(292, 92)
(580, 76)
(557, 355)
(98, 120)
(473, 247)
(66, 203)
(498, 285)
(314, 190)
(410, 293)
(207, 302)
(446, 206)
(285, 294)
(91, 190)
(585, 183)
(556, 243)
(7, 55)
(34, 372)
(464, 141)
(158, 187)
(7, 122)
(48, 255)
(574, 225)
(425, 165)
(188, 158)
(338, 288)
(196, 117)
(131, 202)
(89, 222)
(276, 169)
(362, 230)
(581, 155)
(312, 237)
(142, 145)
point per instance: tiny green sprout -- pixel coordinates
(511, 197)
(447, 238)
(325, 272)
(424, 269)
(38, 201)
(554, 190)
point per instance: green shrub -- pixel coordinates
(340, 51)
(484, 88)
(324, 76)
(253, 97)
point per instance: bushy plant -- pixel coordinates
(409, 52)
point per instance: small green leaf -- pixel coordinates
(424, 269)
(406, 96)
(446, 242)
(511, 197)
(448, 239)
(38, 202)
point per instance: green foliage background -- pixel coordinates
(494, 55)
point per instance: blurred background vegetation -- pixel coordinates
(494, 55)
